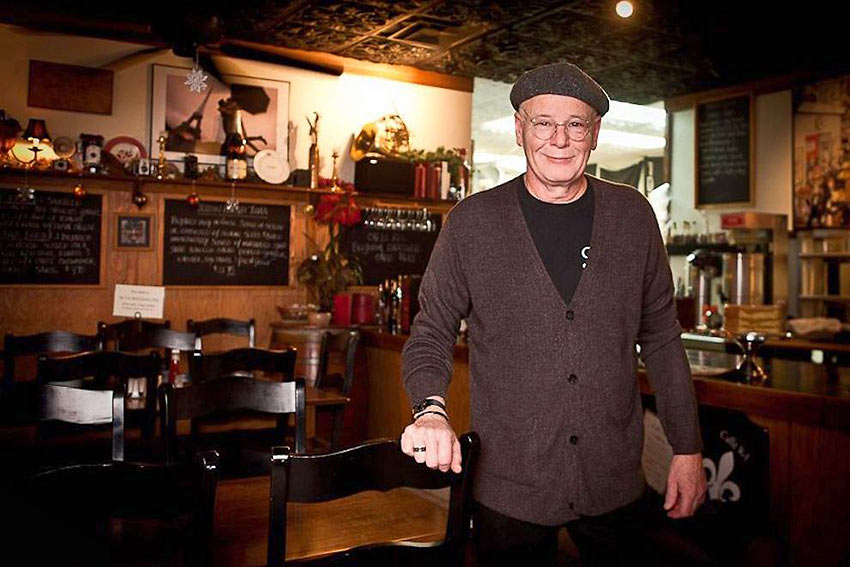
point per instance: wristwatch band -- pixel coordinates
(426, 403)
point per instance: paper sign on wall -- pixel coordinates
(145, 301)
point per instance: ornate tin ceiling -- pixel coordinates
(667, 48)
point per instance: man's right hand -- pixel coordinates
(433, 432)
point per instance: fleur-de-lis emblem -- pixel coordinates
(719, 488)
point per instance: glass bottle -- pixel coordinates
(236, 162)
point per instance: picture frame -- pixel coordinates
(133, 231)
(195, 121)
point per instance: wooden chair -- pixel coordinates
(115, 513)
(129, 335)
(312, 346)
(19, 400)
(43, 343)
(221, 326)
(375, 465)
(342, 342)
(243, 453)
(733, 525)
(90, 389)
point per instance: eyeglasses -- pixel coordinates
(544, 127)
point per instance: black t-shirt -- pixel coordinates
(561, 233)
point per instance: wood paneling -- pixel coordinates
(819, 499)
(26, 309)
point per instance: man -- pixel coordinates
(558, 275)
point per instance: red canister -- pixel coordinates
(342, 309)
(363, 309)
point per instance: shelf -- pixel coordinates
(825, 255)
(837, 298)
(687, 248)
(217, 188)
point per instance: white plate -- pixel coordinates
(271, 166)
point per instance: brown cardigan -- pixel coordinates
(554, 391)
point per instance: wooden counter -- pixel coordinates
(804, 406)
(389, 407)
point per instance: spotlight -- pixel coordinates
(624, 9)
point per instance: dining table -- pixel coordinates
(319, 529)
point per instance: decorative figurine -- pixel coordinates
(91, 148)
(314, 151)
(161, 163)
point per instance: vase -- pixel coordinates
(319, 318)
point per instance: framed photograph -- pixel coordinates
(198, 123)
(821, 195)
(133, 231)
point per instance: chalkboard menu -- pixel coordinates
(208, 245)
(51, 238)
(724, 140)
(388, 253)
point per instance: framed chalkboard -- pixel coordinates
(724, 139)
(208, 245)
(386, 253)
(49, 237)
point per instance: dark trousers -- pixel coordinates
(614, 538)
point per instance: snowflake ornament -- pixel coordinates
(196, 80)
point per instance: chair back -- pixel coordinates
(229, 395)
(43, 343)
(130, 334)
(71, 508)
(736, 457)
(375, 465)
(344, 342)
(312, 346)
(221, 326)
(90, 389)
(203, 367)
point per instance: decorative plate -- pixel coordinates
(271, 166)
(125, 149)
(64, 147)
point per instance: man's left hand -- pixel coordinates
(685, 486)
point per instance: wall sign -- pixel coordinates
(50, 238)
(207, 245)
(388, 253)
(724, 148)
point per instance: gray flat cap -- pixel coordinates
(560, 79)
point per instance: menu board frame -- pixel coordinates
(163, 227)
(103, 243)
(743, 194)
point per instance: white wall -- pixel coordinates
(772, 163)
(434, 116)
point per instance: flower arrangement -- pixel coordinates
(328, 271)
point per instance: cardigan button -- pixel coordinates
(574, 439)
(570, 315)
(572, 378)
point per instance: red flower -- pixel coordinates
(327, 207)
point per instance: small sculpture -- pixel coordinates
(314, 151)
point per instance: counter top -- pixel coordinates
(802, 391)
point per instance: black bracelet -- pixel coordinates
(422, 405)
(420, 414)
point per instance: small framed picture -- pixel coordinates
(133, 231)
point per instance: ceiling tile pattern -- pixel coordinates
(668, 48)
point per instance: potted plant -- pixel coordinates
(329, 271)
